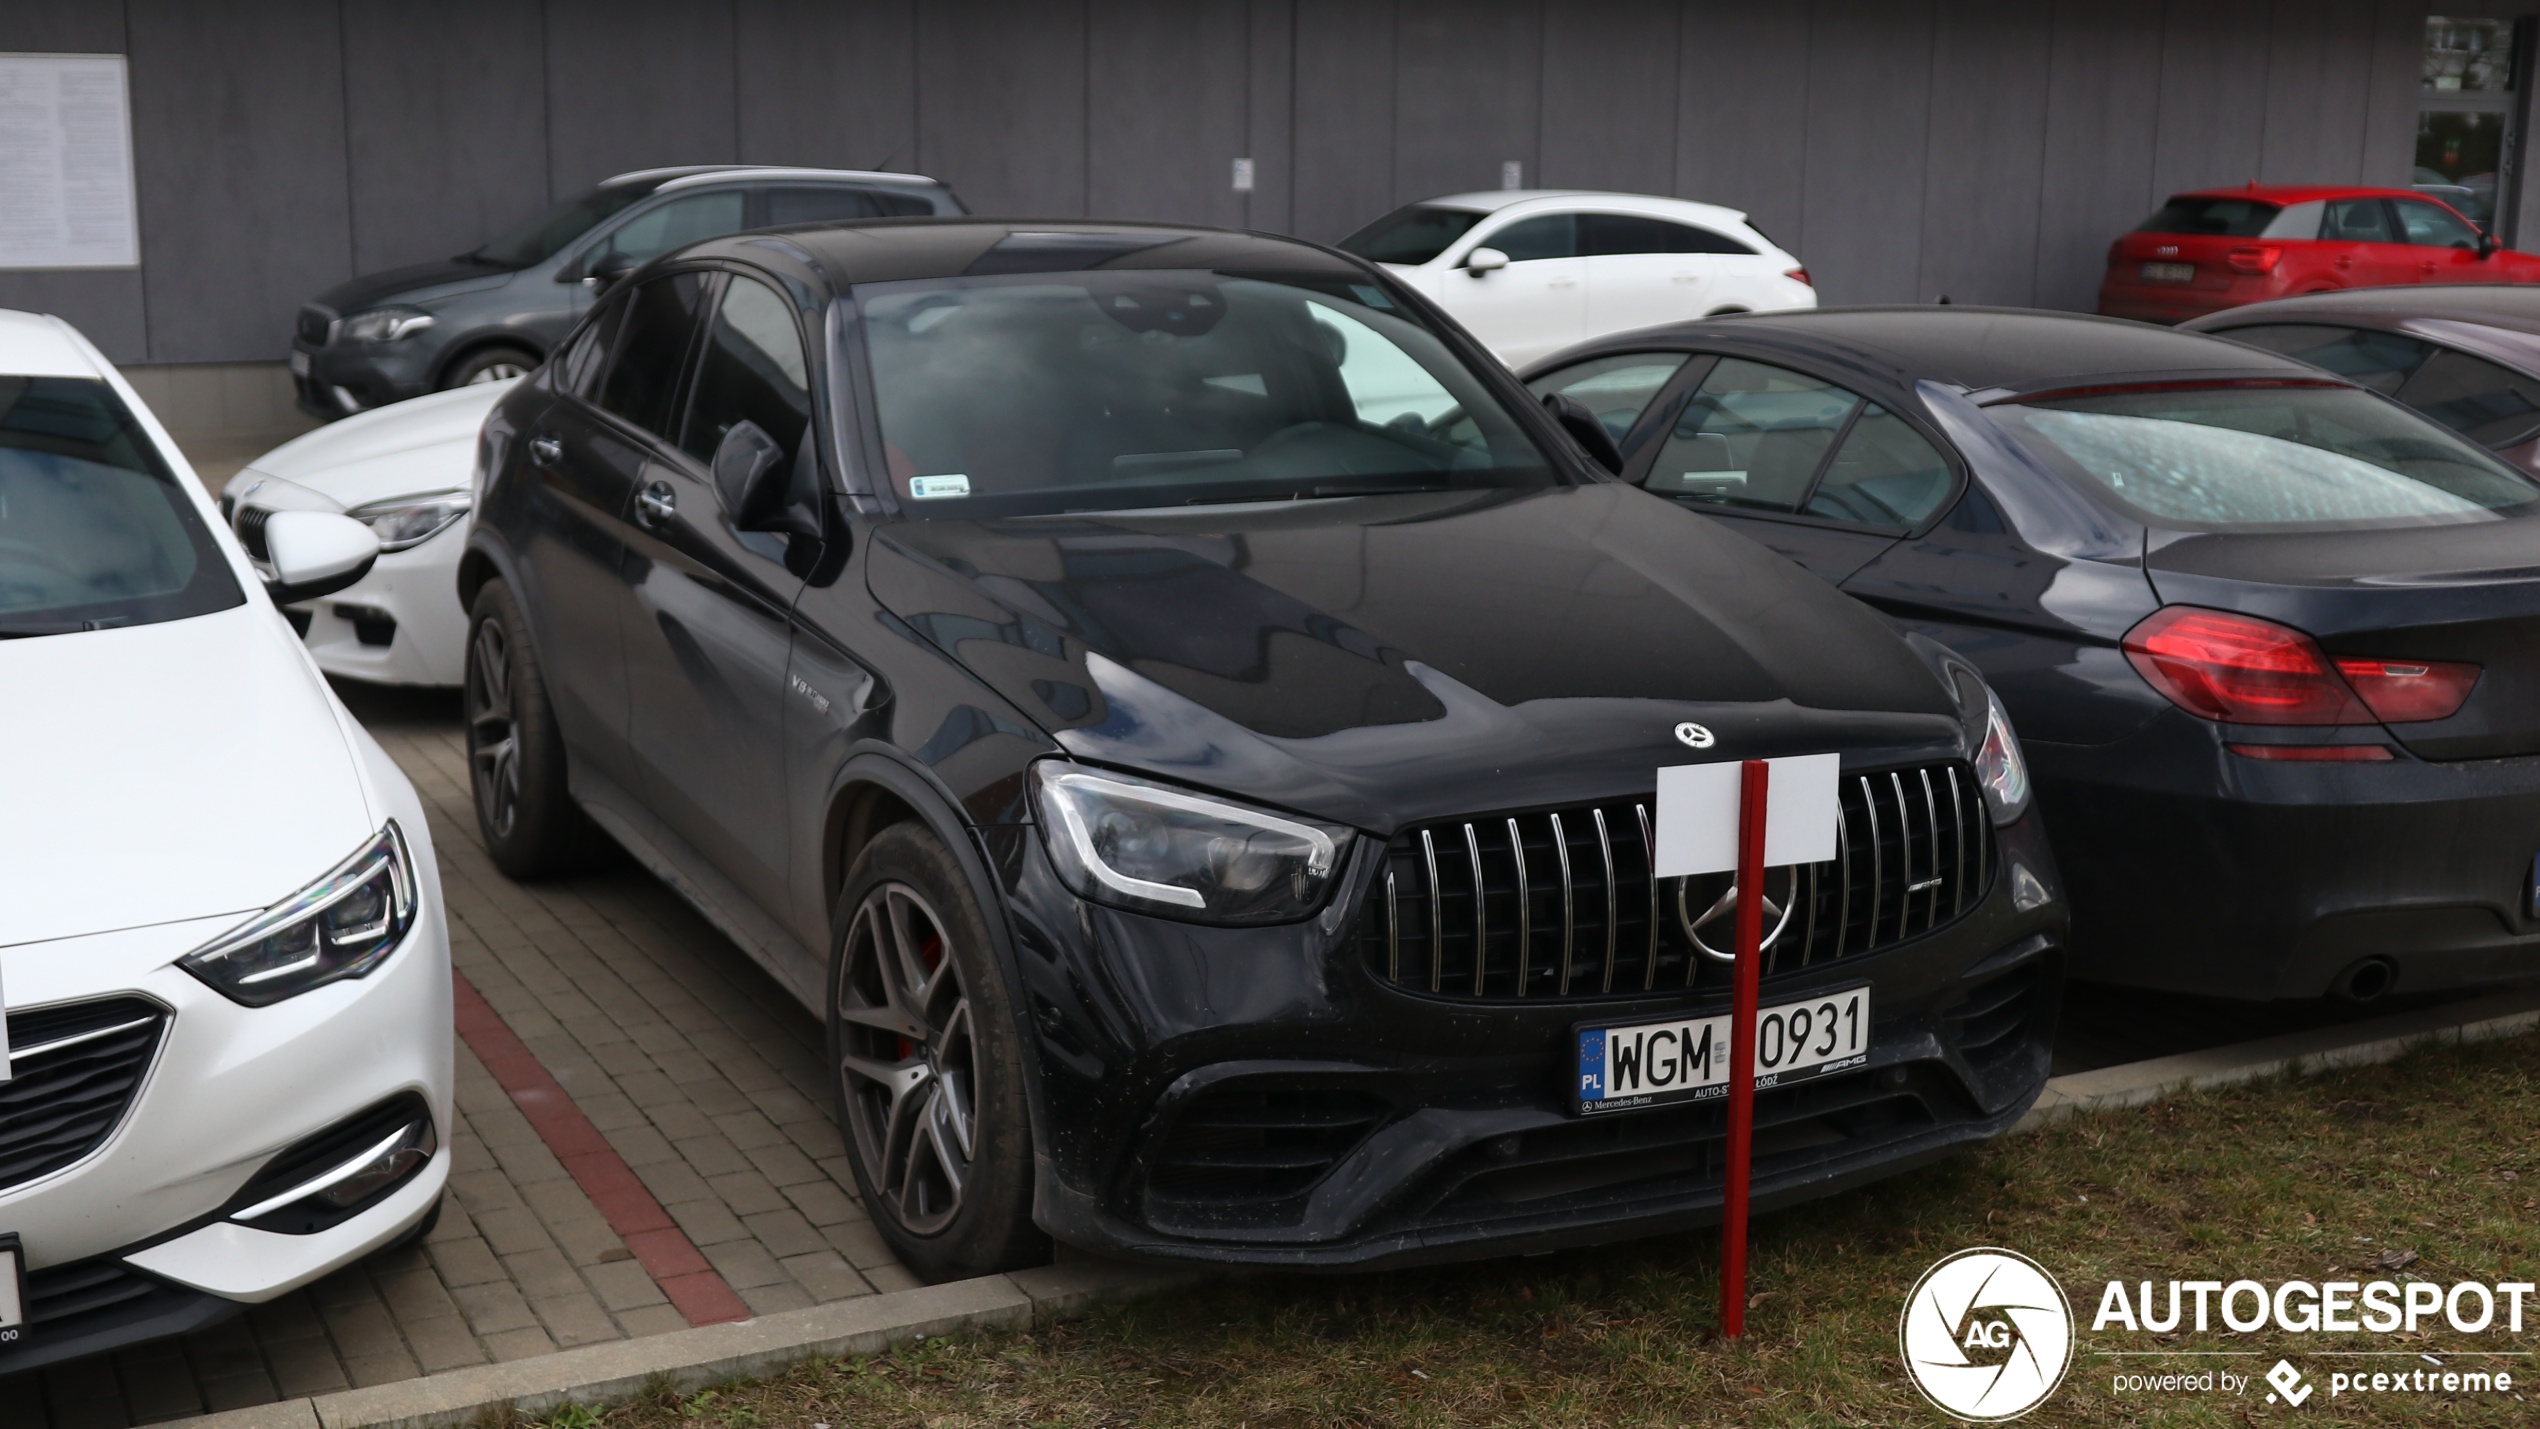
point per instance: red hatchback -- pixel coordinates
(2212, 249)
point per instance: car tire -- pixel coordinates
(515, 752)
(490, 364)
(928, 1065)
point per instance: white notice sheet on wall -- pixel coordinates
(66, 163)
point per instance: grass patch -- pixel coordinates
(2427, 1167)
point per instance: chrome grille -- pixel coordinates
(316, 325)
(1560, 903)
(73, 1072)
(250, 527)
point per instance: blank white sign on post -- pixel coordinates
(66, 163)
(1697, 814)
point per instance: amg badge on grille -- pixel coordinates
(1694, 736)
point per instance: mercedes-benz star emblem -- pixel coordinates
(1723, 908)
(1694, 736)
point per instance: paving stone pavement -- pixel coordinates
(701, 1072)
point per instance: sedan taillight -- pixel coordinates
(2239, 669)
(2255, 258)
(1801, 275)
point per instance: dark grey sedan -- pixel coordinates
(494, 313)
(2469, 357)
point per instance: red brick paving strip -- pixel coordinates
(659, 1245)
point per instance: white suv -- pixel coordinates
(224, 971)
(1531, 271)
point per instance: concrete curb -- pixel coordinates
(708, 1354)
(2352, 1044)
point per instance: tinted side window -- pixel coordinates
(1884, 475)
(2378, 360)
(680, 221)
(1555, 235)
(579, 366)
(1752, 437)
(2357, 220)
(661, 317)
(752, 370)
(2478, 399)
(1609, 234)
(821, 205)
(2429, 226)
(1617, 389)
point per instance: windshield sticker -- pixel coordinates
(936, 488)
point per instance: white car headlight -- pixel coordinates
(341, 926)
(2000, 767)
(404, 522)
(383, 324)
(1132, 844)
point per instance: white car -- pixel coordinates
(223, 960)
(404, 471)
(1531, 271)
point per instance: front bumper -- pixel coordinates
(342, 378)
(399, 625)
(127, 1243)
(2196, 870)
(1395, 1128)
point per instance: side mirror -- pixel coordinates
(755, 480)
(2487, 244)
(315, 553)
(609, 267)
(1484, 260)
(1585, 429)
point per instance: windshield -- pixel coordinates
(2214, 217)
(1411, 236)
(540, 239)
(94, 531)
(1038, 393)
(2267, 457)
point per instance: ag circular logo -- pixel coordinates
(1694, 735)
(1986, 1335)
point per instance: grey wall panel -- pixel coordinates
(2212, 117)
(1982, 180)
(829, 83)
(1344, 124)
(2319, 85)
(443, 103)
(238, 149)
(1269, 116)
(1609, 95)
(2103, 88)
(1742, 111)
(637, 84)
(1167, 111)
(1467, 79)
(2390, 103)
(104, 303)
(1869, 86)
(1001, 104)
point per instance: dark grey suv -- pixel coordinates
(493, 313)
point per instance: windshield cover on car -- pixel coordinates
(94, 531)
(542, 237)
(1411, 236)
(1026, 394)
(2252, 456)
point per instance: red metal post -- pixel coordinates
(1748, 974)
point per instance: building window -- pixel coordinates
(2465, 113)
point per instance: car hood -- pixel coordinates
(417, 283)
(162, 772)
(1381, 660)
(426, 444)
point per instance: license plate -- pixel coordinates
(12, 1290)
(299, 364)
(2169, 272)
(1651, 1063)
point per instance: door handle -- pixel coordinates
(656, 504)
(545, 451)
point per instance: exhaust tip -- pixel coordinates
(2364, 980)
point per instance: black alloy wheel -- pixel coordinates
(515, 753)
(930, 1092)
(490, 364)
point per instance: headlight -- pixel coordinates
(407, 521)
(383, 324)
(341, 926)
(2000, 767)
(1126, 842)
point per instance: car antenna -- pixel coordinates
(1944, 301)
(885, 165)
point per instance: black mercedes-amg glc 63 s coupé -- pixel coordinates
(1189, 721)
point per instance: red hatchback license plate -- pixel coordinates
(2169, 272)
